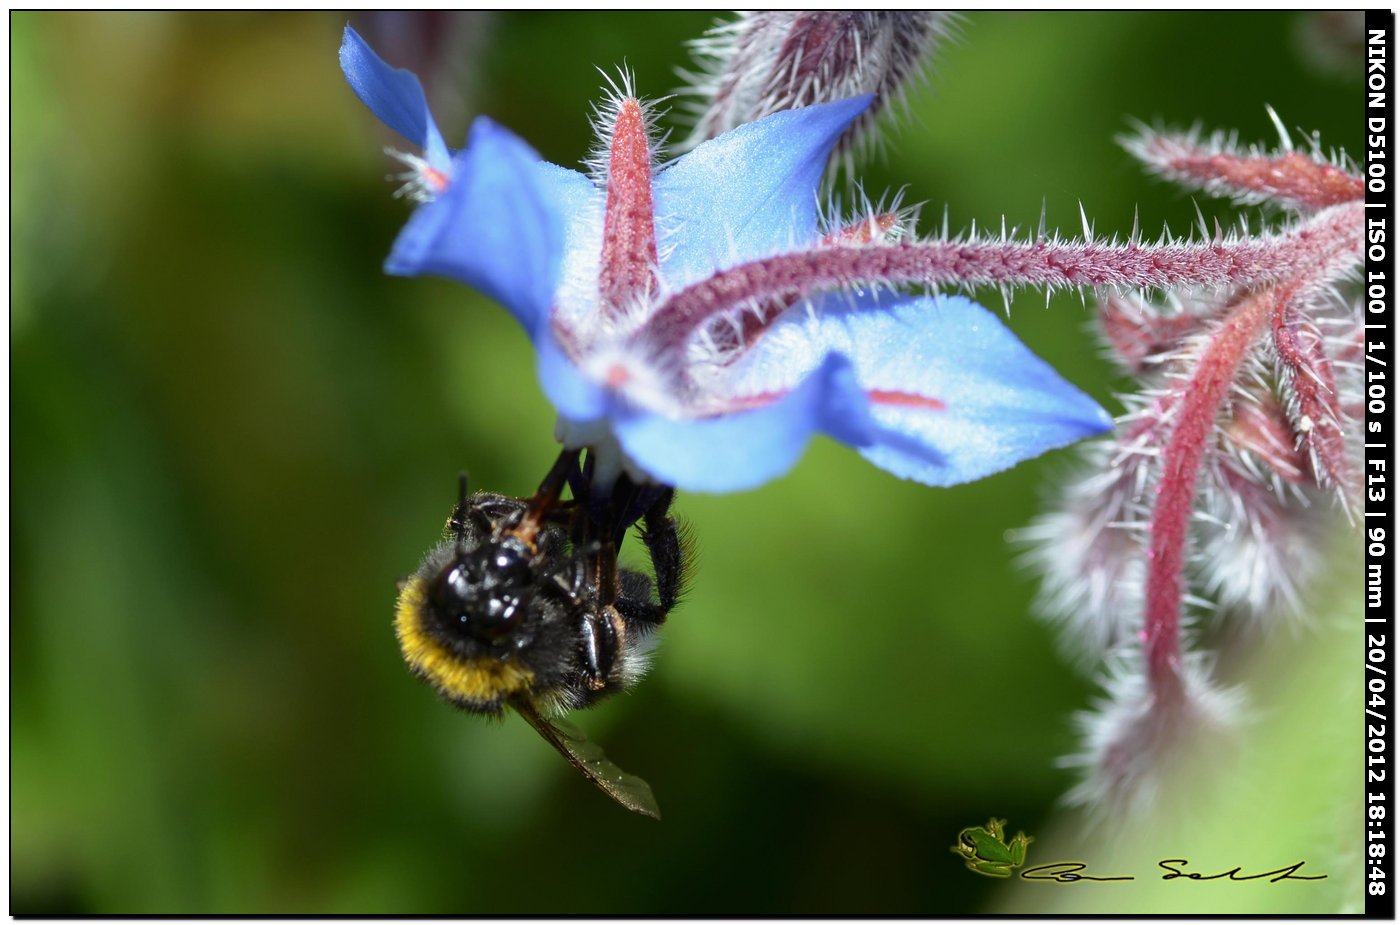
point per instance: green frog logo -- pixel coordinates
(986, 851)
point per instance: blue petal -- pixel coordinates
(739, 451)
(749, 193)
(499, 226)
(953, 394)
(394, 95)
(574, 395)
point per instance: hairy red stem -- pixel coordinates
(1292, 178)
(1196, 414)
(1247, 262)
(1315, 386)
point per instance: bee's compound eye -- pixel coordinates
(454, 588)
(482, 599)
(508, 570)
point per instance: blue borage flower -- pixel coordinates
(634, 286)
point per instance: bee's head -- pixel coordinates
(483, 595)
(486, 621)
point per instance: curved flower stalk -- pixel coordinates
(1236, 457)
(696, 323)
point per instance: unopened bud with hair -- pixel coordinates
(768, 61)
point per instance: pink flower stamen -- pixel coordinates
(629, 234)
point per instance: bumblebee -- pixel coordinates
(523, 606)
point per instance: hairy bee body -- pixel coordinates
(523, 605)
(495, 613)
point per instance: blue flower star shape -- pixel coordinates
(691, 320)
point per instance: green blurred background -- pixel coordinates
(231, 434)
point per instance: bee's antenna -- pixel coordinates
(458, 523)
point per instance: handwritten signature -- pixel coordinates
(1073, 872)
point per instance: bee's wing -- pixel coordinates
(629, 790)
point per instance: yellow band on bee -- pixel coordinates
(483, 680)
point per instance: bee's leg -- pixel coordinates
(598, 648)
(634, 603)
(615, 508)
(662, 536)
(554, 481)
(599, 640)
(667, 546)
(581, 478)
(543, 507)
